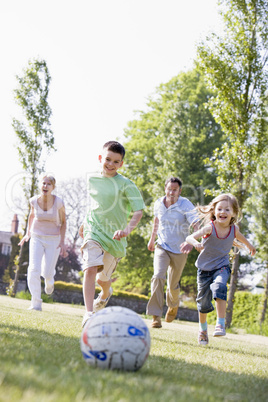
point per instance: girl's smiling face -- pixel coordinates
(224, 212)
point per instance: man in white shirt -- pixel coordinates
(173, 217)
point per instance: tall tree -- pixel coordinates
(35, 137)
(171, 138)
(235, 65)
(257, 206)
(33, 131)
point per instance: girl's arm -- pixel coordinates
(192, 239)
(29, 225)
(151, 242)
(185, 247)
(242, 239)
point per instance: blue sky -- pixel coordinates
(105, 58)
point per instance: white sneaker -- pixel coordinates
(49, 289)
(37, 308)
(99, 304)
(219, 330)
(86, 317)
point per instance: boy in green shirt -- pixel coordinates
(105, 227)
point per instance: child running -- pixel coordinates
(218, 234)
(106, 226)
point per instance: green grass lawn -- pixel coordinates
(40, 360)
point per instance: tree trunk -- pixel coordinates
(232, 289)
(265, 301)
(16, 279)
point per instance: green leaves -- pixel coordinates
(34, 133)
(235, 67)
(172, 137)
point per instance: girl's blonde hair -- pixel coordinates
(50, 177)
(207, 212)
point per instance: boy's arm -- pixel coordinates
(153, 235)
(136, 217)
(242, 239)
(192, 239)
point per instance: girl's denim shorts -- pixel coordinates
(211, 284)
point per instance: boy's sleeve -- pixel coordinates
(134, 197)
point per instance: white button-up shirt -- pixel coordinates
(174, 223)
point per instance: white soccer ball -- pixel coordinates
(116, 338)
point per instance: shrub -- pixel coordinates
(27, 296)
(246, 314)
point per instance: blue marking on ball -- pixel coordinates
(99, 355)
(133, 331)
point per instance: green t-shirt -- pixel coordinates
(111, 201)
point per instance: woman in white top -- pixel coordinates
(46, 227)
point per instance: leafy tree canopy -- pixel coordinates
(235, 66)
(33, 131)
(171, 138)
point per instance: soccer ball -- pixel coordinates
(115, 338)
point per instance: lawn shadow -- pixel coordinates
(45, 364)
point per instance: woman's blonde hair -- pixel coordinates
(207, 212)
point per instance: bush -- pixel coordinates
(73, 287)
(246, 314)
(27, 296)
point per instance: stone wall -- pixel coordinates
(139, 306)
(3, 287)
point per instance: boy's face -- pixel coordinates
(111, 162)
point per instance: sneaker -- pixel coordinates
(219, 330)
(37, 308)
(49, 289)
(86, 317)
(171, 314)
(99, 304)
(203, 338)
(156, 323)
